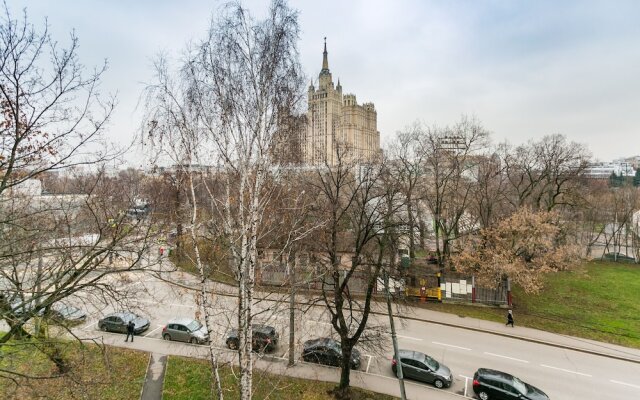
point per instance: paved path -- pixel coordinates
(154, 380)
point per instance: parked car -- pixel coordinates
(65, 313)
(421, 367)
(327, 351)
(21, 308)
(496, 385)
(265, 338)
(185, 330)
(117, 322)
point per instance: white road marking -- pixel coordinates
(565, 370)
(87, 328)
(624, 383)
(451, 345)
(409, 337)
(507, 357)
(368, 362)
(466, 382)
(159, 326)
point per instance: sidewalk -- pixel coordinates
(272, 365)
(154, 379)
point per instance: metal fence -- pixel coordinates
(464, 289)
(278, 275)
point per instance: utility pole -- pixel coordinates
(394, 339)
(292, 308)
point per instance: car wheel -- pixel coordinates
(103, 328)
(438, 383)
(232, 345)
(193, 341)
(166, 336)
(483, 396)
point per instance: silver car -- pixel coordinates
(421, 367)
(65, 313)
(185, 330)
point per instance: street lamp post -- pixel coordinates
(394, 339)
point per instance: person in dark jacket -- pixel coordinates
(510, 319)
(130, 331)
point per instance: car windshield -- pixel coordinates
(431, 363)
(65, 310)
(126, 317)
(519, 385)
(335, 346)
(194, 326)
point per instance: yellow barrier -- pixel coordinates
(431, 293)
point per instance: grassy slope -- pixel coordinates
(113, 375)
(599, 300)
(188, 379)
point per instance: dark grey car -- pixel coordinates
(185, 330)
(329, 352)
(265, 338)
(421, 367)
(117, 322)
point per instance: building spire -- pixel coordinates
(325, 60)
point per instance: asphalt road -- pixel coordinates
(562, 374)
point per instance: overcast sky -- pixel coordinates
(524, 68)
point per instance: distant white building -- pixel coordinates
(604, 170)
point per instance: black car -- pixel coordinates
(421, 367)
(496, 385)
(264, 339)
(327, 351)
(117, 322)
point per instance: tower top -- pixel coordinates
(325, 59)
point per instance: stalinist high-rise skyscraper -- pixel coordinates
(336, 120)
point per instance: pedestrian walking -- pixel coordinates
(130, 331)
(510, 319)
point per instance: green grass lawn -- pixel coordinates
(114, 374)
(189, 379)
(600, 301)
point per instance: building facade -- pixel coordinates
(338, 121)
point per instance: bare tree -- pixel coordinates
(56, 247)
(488, 201)
(406, 163)
(245, 79)
(545, 174)
(451, 157)
(174, 130)
(352, 201)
